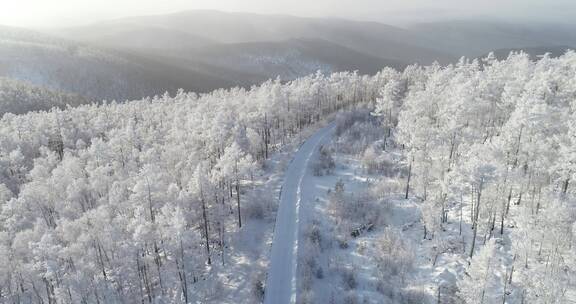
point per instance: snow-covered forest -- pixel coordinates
(463, 190)
(135, 202)
(456, 186)
(20, 97)
(490, 147)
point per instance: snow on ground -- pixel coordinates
(354, 258)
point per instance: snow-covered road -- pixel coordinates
(281, 278)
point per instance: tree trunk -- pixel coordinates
(182, 273)
(509, 199)
(475, 223)
(238, 202)
(505, 287)
(518, 147)
(409, 176)
(205, 218)
(565, 186)
(158, 262)
(502, 223)
(460, 226)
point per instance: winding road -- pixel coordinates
(281, 287)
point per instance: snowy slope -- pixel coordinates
(281, 280)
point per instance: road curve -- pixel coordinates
(281, 278)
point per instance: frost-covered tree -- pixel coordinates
(482, 281)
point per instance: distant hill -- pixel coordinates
(152, 38)
(534, 52)
(290, 58)
(19, 97)
(475, 38)
(443, 41)
(371, 38)
(137, 57)
(93, 72)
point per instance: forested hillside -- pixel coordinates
(490, 151)
(96, 73)
(20, 97)
(146, 201)
(135, 202)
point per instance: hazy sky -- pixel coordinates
(54, 13)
